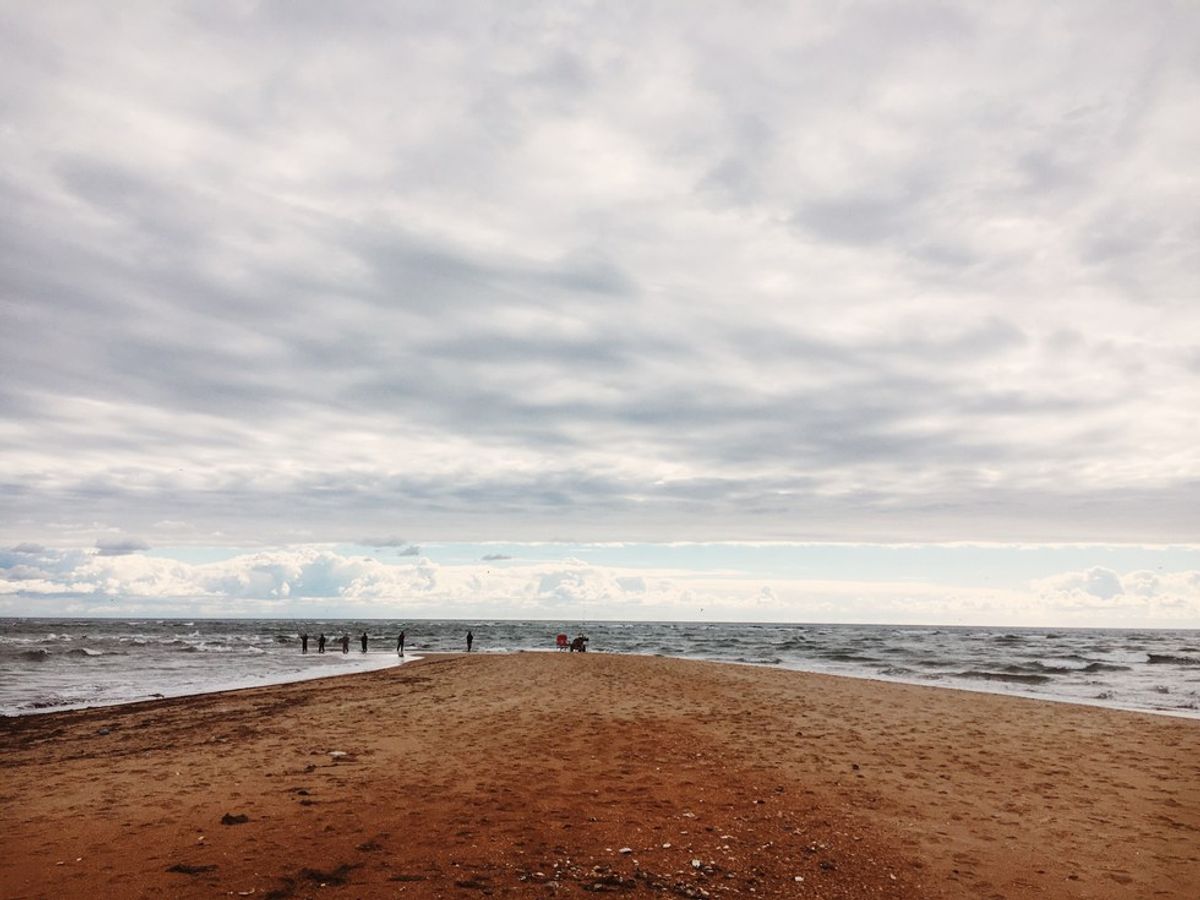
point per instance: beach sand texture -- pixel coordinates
(542, 775)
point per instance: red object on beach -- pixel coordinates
(561, 642)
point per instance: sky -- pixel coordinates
(777, 311)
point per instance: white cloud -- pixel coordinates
(1134, 595)
(316, 580)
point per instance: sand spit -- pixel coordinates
(559, 775)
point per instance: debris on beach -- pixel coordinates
(186, 869)
(232, 819)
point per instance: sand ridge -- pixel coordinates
(565, 774)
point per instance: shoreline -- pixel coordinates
(511, 773)
(1015, 693)
(285, 679)
(55, 665)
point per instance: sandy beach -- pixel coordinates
(540, 774)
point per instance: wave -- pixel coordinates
(86, 652)
(1104, 667)
(1168, 659)
(761, 661)
(1037, 667)
(1015, 677)
(34, 655)
(42, 703)
(850, 657)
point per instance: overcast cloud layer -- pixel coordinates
(297, 272)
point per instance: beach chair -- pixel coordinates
(561, 642)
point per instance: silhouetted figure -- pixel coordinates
(321, 644)
(579, 645)
(470, 641)
(400, 644)
(345, 643)
(364, 642)
(304, 642)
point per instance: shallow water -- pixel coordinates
(48, 664)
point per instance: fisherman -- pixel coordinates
(304, 642)
(470, 640)
(321, 644)
(364, 642)
(345, 643)
(400, 644)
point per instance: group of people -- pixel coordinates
(578, 645)
(321, 641)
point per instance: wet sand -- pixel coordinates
(558, 775)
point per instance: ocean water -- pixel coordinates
(48, 664)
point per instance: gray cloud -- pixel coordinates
(286, 274)
(399, 546)
(120, 547)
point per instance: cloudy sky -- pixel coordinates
(313, 306)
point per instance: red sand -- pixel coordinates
(547, 775)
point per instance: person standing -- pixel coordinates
(400, 644)
(470, 640)
(345, 643)
(304, 642)
(364, 642)
(321, 643)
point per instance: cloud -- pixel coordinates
(120, 546)
(1140, 592)
(316, 581)
(494, 557)
(776, 272)
(1098, 582)
(400, 546)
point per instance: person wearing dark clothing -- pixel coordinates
(304, 642)
(470, 641)
(400, 644)
(321, 644)
(364, 642)
(345, 643)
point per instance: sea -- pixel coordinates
(56, 664)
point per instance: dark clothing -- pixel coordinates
(304, 643)
(470, 641)
(321, 644)
(364, 642)
(345, 643)
(400, 644)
